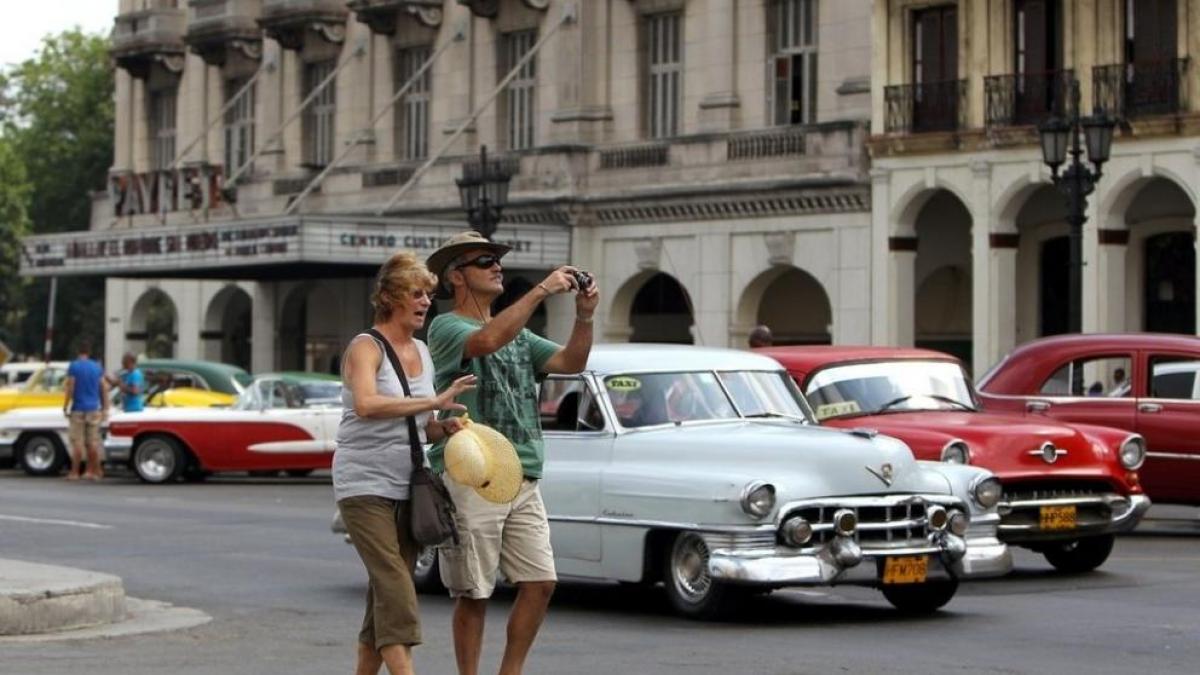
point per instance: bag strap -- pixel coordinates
(414, 438)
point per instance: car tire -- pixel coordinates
(1080, 555)
(42, 455)
(691, 590)
(426, 574)
(923, 598)
(159, 459)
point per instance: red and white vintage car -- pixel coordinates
(281, 422)
(1067, 488)
(1145, 383)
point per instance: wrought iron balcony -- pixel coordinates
(215, 27)
(925, 107)
(1141, 88)
(148, 36)
(1027, 98)
(381, 15)
(287, 20)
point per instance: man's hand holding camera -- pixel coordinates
(566, 279)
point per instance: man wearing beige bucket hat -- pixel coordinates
(506, 357)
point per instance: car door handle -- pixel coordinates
(1149, 407)
(1037, 406)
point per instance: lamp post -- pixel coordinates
(1060, 137)
(483, 189)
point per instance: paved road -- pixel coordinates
(286, 598)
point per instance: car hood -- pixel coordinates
(27, 416)
(801, 461)
(1001, 443)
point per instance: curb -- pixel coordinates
(37, 598)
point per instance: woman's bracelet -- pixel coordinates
(582, 319)
(542, 285)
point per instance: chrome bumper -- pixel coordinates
(840, 562)
(118, 449)
(1125, 512)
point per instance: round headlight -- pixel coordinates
(959, 522)
(1133, 452)
(758, 498)
(797, 531)
(986, 492)
(937, 517)
(844, 522)
(956, 452)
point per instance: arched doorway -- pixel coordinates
(293, 327)
(153, 325)
(308, 330)
(1161, 259)
(661, 312)
(227, 327)
(942, 285)
(1043, 270)
(796, 308)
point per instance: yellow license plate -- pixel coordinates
(907, 569)
(1057, 518)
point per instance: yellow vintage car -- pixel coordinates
(177, 383)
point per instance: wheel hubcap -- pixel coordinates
(690, 568)
(40, 454)
(156, 461)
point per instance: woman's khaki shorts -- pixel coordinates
(380, 535)
(513, 538)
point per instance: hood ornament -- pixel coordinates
(885, 473)
(1048, 453)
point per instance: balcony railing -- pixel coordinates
(635, 156)
(140, 38)
(1027, 98)
(1140, 88)
(925, 107)
(768, 143)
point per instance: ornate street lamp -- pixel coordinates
(1060, 137)
(484, 192)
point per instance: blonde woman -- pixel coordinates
(372, 465)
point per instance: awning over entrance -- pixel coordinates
(270, 248)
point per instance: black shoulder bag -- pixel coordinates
(432, 510)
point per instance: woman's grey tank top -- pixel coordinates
(373, 456)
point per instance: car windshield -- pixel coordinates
(647, 399)
(290, 394)
(889, 386)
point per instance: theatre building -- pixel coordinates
(969, 235)
(704, 158)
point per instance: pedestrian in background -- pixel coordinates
(373, 462)
(86, 406)
(507, 357)
(131, 382)
(761, 337)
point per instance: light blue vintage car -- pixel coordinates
(701, 468)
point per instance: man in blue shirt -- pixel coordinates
(86, 406)
(131, 382)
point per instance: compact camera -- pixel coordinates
(582, 280)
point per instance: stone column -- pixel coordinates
(1091, 279)
(123, 124)
(264, 315)
(882, 332)
(901, 291)
(719, 107)
(713, 304)
(1002, 297)
(140, 127)
(1112, 248)
(269, 106)
(291, 73)
(984, 318)
(578, 65)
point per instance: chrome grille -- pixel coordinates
(881, 525)
(762, 539)
(1022, 503)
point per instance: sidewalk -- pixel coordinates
(48, 602)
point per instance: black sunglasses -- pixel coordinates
(483, 262)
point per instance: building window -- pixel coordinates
(795, 61)
(412, 112)
(519, 100)
(162, 128)
(319, 116)
(663, 40)
(239, 124)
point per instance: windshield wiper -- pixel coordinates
(936, 397)
(773, 414)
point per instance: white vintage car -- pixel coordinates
(701, 468)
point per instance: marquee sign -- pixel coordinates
(210, 248)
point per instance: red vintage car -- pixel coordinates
(1067, 488)
(1145, 383)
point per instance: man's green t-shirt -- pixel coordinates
(505, 397)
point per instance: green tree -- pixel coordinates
(14, 222)
(57, 115)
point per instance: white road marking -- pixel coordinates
(52, 521)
